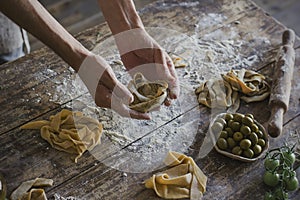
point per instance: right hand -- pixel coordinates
(106, 90)
(141, 53)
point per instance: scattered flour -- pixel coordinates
(208, 57)
(59, 197)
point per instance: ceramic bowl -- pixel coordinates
(237, 157)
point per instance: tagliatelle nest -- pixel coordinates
(148, 95)
(246, 85)
(32, 190)
(69, 131)
(182, 179)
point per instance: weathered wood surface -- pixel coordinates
(30, 84)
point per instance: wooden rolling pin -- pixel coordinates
(282, 80)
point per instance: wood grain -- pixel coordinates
(27, 82)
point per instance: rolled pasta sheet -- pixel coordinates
(69, 131)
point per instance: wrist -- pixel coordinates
(120, 15)
(74, 55)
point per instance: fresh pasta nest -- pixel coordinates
(234, 86)
(148, 95)
(69, 131)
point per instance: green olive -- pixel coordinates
(222, 143)
(235, 126)
(245, 130)
(229, 131)
(238, 136)
(260, 134)
(222, 121)
(253, 137)
(237, 150)
(248, 153)
(217, 127)
(261, 142)
(224, 134)
(245, 144)
(229, 124)
(231, 143)
(249, 115)
(238, 117)
(247, 121)
(228, 117)
(257, 149)
(254, 128)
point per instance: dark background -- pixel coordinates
(78, 15)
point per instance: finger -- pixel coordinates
(162, 66)
(167, 102)
(174, 87)
(137, 115)
(109, 80)
(168, 71)
(103, 97)
(155, 109)
(127, 112)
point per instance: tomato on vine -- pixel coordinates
(271, 178)
(288, 158)
(291, 183)
(280, 173)
(271, 164)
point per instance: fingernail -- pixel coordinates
(173, 95)
(131, 99)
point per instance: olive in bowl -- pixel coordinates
(239, 136)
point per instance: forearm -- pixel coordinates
(120, 15)
(32, 16)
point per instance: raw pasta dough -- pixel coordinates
(69, 131)
(32, 190)
(147, 95)
(242, 84)
(184, 179)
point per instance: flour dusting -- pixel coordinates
(147, 142)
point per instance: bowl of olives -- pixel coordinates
(239, 136)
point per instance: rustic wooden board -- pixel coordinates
(227, 178)
(28, 156)
(31, 83)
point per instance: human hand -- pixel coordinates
(141, 53)
(104, 87)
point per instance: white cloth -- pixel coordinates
(14, 41)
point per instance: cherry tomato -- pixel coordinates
(289, 158)
(291, 184)
(271, 164)
(271, 179)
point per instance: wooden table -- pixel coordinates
(41, 84)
